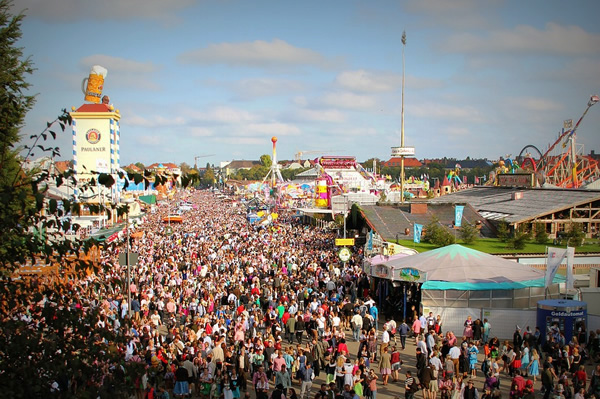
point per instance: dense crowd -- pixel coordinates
(222, 307)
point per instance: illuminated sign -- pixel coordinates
(344, 254)
(337, 163)
(344, 241)
(516, 179)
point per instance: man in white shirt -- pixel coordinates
(454, 353)
(357, 323)
(421, 344)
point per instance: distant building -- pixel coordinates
(409, 163)
(234, 166)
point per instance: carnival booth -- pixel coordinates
(456, 281)
(560, 315)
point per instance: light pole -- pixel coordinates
(127, 202)
(402, 124)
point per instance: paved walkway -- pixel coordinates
(396, 389)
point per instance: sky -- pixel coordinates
(218, 79)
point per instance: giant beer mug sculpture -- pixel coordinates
(95, 83)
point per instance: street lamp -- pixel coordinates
(127, 202)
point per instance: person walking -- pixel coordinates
(385, 365)
(403, 330)
(306, 383)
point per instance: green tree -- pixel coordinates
(541, 235)
(140, 165)
(519, 238)
(266, 161)
(15, 194)
(437, 234)
(575, 235)
(503, 230)
(49, 333)
(208, 179)
(468, 232)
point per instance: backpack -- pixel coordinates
(485, 367)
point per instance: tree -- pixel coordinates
(140, 165)
(503, 230)
(15, 194)
(437, 234)
(575, 235)
(49, 332)
(208, 179)
(519, 238)
(266, 161)
(468, 232)
(541, 235)
(185, 168)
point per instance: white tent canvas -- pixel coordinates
(458, 264)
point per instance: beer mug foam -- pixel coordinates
(95, 83)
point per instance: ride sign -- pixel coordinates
(344, 254)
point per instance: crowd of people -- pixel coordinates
(222, 307)
(450, 365)
(225, 308)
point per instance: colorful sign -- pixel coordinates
(337, 162)
(417, 231)
(382, 271)
(458, 214)
(345, 254)
(516, 179)
(92, 136)
(410, 274)
(344, 242)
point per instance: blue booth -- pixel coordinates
(562, 315)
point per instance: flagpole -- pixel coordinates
(546, 274)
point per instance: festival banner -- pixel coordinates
(417, 230)
(555, 258)
(370, 241)
(458, 214)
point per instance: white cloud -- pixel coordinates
(466, 114)
(273, 128)
(199, 131)
(69, 10)
(264, 87)
(154, 121)
(348, 100)
(259, 53)
(124, 72)
(118, 64)
(536, 104)
(222, 115)
(321, 115)
(368, 82)
(457, 132)
(459, 14)
(555, 39)
(363, 132)
(363, 81)
(236, 140)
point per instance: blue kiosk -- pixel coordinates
(562, 315)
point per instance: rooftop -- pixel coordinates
(497, 203)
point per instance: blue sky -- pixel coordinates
(193, 77)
